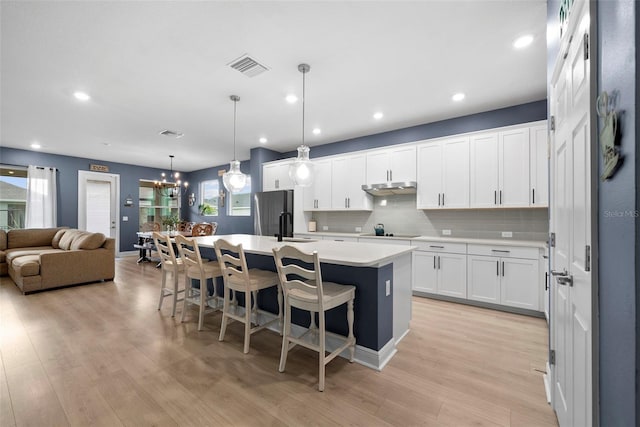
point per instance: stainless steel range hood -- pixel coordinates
(389, 188)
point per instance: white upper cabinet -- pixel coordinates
(443, 174)
(318, 195)
(348, 174)
(538, 171)
(391, 165)
(513, 150)
(499, 169)
(483, 188)
(275, 176)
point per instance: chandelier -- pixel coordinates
(170, 184)
(301, 170)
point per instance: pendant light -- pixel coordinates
(301, 170)
(234, 180)
(170, 188)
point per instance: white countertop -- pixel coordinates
(355, 254)
(470, 240)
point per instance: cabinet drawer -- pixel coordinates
(504, 251)
(453, 248)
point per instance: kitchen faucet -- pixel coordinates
(282, 225)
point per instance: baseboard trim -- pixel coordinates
(127, 253)
(499, 307)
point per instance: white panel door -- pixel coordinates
(452, 272)
(348, 174)
(430, 163)
(483, 179)
(520, 281)
(455, 174)
(402, 164)
(340, 172)
(322, 184)
(98, 203)
(538, 166)
(513, 149)
(484, 278)
(378, 167)
(425, 273)
(570, 208)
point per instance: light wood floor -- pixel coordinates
(102, 354)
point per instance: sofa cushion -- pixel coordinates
(55, 242)
(12, 254)
(68, 237)
(25, 238)
(3, 240)
(88, 241)
(27, 265)
(3, 256)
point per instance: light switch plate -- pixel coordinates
(507, 234)
(358, 229)
(325, 228)
(446, 232)
(387, 285)
(125, 218)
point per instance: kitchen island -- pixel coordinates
(380, 273)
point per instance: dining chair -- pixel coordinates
(171, 265)
(202, 229)
(304, 289)
(198, 269)
(238, 278)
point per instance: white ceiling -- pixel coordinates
(150, 66)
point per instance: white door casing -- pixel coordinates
(571, 329)
(98, 207)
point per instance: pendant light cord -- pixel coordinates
(303, 97)
(235, 106)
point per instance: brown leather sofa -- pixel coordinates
(45, 258)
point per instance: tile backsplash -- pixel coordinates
(399, 215)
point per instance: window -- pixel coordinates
(209, 191)
(13, 197)
(240, 203)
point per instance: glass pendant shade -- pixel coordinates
(301, 170)
(234, 180)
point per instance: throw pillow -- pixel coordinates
(67, 239)
(56, 239)
(88, 241)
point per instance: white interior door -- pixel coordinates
(98, 209)
(571, 285)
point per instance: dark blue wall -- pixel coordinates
(68, 168)
(617, 235)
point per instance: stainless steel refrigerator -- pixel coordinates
(269, 205)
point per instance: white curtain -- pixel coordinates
(41, 197)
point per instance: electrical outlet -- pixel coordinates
(325, 228)
(507, 234)
(446, 232)
(358, 229)
(125, 218)
(387, 285)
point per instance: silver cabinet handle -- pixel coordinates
(390, 175)
(438, 199)
(438, 262)
(500, 196)
(501, 251)
(434, 262)
(442, 199)
(437, 247)
(533, 196)
(495, 197)
(277, 183)
(502, 268)
(497, 268)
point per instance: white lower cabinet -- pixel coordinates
(440, 272)
(505, 279)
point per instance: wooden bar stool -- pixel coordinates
(239, 278)
(315, 296)
(170, 266)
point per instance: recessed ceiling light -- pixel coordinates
(36, 145)
(81, 96)
(523, 41)
(106, 144)
(263, 140)
(316, 131)
(458, 96)
(291, 98)
(378, 115)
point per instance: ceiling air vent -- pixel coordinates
(172, 133)
(248, 66)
